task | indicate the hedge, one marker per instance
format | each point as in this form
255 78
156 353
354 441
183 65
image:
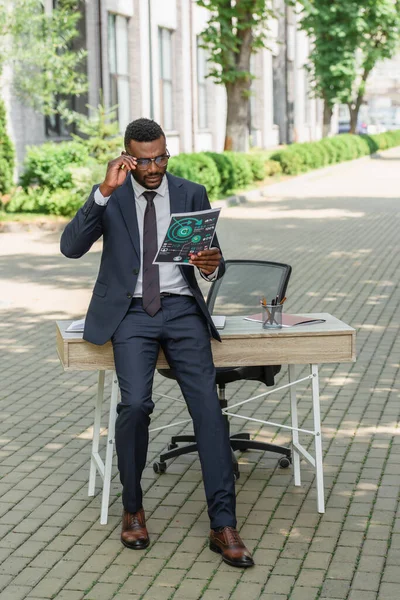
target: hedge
300 158
58 177
199 168
7 154
48 165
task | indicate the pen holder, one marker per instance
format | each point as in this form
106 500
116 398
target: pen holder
272 316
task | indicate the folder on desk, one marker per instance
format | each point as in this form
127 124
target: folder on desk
288 320
219 321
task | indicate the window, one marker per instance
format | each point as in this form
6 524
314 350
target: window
54 125
165 45
202 69
118 66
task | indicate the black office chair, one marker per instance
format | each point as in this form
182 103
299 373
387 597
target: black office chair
238 293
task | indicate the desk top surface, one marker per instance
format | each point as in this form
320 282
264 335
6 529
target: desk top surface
238 327
246 343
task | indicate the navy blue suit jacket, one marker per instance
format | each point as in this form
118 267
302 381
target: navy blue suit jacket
120 260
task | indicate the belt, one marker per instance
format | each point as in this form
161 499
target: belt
166 294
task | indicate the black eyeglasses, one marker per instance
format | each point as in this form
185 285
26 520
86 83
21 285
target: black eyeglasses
161 161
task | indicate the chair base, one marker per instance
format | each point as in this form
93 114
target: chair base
239 441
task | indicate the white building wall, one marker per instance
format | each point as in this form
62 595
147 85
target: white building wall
187 20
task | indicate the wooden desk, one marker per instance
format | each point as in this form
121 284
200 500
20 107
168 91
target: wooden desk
245 343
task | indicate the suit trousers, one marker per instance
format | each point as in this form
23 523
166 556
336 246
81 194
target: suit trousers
182 331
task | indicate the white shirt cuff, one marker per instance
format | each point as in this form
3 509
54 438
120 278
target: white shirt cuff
211 277
100 199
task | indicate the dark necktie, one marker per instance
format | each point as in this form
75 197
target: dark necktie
151 277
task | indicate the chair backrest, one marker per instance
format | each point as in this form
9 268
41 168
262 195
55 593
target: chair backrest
243 285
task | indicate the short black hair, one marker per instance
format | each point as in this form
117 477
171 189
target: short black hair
143 130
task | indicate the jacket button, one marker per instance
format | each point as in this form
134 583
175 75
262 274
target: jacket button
128 295
136 271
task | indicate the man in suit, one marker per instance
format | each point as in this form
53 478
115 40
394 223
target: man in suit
140 306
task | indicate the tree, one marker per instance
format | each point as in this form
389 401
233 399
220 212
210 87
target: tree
47 69
99 133
235 30
349 38
6 154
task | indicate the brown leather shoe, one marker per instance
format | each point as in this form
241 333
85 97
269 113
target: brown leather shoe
228 543
134 534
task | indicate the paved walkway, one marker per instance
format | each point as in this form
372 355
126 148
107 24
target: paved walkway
339 228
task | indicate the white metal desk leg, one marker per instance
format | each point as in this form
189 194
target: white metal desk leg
319 473
295 425
109 451
96 433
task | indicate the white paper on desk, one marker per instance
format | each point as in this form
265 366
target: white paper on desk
76 326
219 321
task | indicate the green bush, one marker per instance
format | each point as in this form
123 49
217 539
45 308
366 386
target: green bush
199 168
48 165
241 169
370 143
40 200
272 167
257 165
225 170
291 162
7 155
299 158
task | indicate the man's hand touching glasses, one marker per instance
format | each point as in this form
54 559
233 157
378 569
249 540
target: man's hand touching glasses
117 171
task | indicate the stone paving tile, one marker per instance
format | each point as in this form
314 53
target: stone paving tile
51 542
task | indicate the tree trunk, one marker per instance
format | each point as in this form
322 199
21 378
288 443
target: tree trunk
237 119
238 98
353 109
326 128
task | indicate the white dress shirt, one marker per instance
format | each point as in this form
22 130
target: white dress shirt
171 278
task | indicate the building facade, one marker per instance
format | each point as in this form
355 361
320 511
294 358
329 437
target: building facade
146 56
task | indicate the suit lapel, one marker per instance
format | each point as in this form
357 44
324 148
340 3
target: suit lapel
126 199
177 195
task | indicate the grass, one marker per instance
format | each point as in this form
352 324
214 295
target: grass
31 217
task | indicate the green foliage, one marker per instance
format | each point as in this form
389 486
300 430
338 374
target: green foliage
241 169
99 133
272 167
48 165
225 35
235 31
225 170
7 155
44 201
257 165
199 168
65 173
46 66
389 139
349 38
300 158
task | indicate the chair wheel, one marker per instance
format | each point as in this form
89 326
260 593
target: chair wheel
159 467
172 446
284 462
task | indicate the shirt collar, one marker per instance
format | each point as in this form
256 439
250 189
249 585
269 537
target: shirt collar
139 189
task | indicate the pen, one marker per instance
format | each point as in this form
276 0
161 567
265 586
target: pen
274 303
263 303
